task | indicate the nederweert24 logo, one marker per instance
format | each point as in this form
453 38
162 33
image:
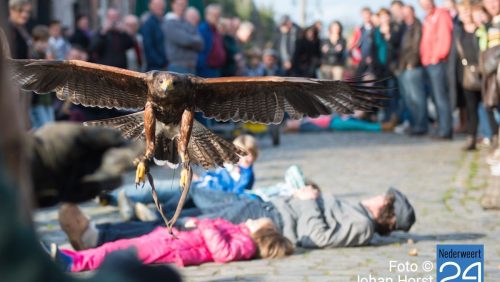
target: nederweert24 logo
456 263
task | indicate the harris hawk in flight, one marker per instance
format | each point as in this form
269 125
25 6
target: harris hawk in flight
167 102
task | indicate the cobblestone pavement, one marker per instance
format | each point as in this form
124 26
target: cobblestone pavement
444 184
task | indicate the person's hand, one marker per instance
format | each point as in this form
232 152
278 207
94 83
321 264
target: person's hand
287 65
107 25
338 47
307 193
74 163
325 48
385 30
111 25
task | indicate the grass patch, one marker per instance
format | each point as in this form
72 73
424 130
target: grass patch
448 195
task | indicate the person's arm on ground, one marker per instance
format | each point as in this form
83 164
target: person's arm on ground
225 241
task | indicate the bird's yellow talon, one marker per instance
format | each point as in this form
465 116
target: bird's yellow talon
183 180
140 173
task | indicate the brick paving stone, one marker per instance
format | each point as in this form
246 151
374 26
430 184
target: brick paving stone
444 184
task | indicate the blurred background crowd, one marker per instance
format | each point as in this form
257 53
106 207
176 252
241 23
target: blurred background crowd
441 70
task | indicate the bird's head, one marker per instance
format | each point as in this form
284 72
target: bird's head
167 84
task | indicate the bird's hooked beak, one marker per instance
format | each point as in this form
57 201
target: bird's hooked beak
167 85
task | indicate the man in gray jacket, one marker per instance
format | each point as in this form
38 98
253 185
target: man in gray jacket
308 219
183 41
314 221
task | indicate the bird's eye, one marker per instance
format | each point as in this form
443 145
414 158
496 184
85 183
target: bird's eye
161 81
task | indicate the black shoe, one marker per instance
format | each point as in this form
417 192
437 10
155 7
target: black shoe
441 137
417 133
470 144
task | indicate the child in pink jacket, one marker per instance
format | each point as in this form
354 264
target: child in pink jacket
213 240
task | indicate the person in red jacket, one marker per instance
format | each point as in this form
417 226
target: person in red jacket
211 240
435 46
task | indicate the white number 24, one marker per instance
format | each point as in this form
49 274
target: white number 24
465 275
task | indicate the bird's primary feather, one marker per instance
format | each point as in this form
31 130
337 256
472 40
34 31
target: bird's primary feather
266 99
83 83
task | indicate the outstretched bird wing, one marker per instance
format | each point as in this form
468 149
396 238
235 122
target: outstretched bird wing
83 83
266 99
205 148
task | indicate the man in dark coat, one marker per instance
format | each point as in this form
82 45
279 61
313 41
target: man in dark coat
109 46
153 37
81 36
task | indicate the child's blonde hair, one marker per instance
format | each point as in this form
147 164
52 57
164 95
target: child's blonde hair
271 244
248 143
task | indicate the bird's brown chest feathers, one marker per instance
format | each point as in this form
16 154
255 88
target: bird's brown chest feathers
168 113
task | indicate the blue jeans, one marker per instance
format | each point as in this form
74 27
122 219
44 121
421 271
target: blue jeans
392 106
41 115
438 82
167 195
411 85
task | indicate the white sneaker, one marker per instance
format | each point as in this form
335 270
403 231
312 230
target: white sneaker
494 158
143 213
495 169
125 206
402 128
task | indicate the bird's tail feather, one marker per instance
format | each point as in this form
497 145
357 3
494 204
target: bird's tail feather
208 149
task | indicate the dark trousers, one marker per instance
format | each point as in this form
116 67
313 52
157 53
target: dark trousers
438 82
472 100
